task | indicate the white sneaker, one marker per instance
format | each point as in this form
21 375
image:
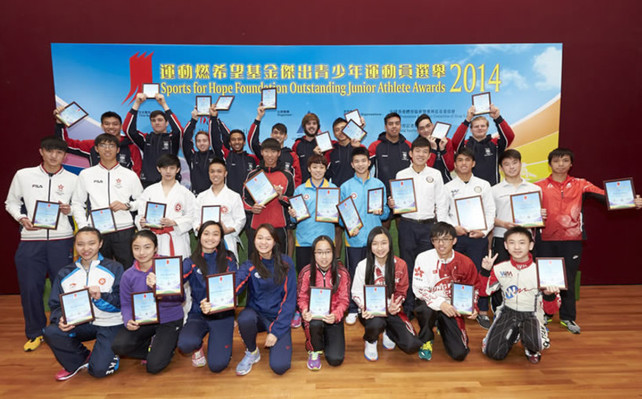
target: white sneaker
387 342
370 352
351 318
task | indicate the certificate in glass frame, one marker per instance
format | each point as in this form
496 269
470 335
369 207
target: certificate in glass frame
76 307
403 193
145 308
203 104
103 220
440 130
375 200
151 89
620 194
470 213
463 298
551 272
260 188
326 205
526 209
320 299
268 97
169 276
221 292
350 216
353 131
154 212
46 215
353 115
375 300
324 141
210 212
481 102
224 103
298 204
71 114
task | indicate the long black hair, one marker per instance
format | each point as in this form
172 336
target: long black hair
334 266
280 268
221 252
390 260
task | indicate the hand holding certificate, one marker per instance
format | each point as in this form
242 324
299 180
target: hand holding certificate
354 131
375 200
350 216
481 102
300 208
220 292
203 104
440 130
71 114
320 302
145 308
76 307
374 298
527 209
169 276
46 215
103 220
470 213
551 272
151 89
326 205
268 98
261 189
403 194
620 194
463 298
324 141
354 116
154 212
224 103
210 212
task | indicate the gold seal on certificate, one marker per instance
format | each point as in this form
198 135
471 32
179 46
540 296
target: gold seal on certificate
46 215
71 114
103 220
210 213
151 89
224 103
268 98
551 272
403 193
324 142
354 116
154 212
481 102
169 276
203 104
470 213
300 208
326 205
320 302
375 200
350 216
76 307
353 131
145 308
463 298
527 209
620 194
260 188
375 299
440 130
221 292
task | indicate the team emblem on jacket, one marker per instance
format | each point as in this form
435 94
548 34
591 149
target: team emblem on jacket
178 207
404 156
60 189
119 183
354 196
488 153
306 197
121 158
287 165
225 209
430 179
102 281
478 189
257 275
165 145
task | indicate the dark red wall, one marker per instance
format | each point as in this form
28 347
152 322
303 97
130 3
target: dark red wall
601 80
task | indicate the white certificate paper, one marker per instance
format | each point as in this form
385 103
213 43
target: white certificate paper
210 212
403 193
220 292
203 104
551 272
151 89
353 116
326 206
320 301
300 208
481 102
440 130
350 216
76 307
169 275
527 209
224 103
462 298
145 308
354 131
324 141
154 212
470 213
375 300
71 114
268 98
375 200
46 214
260 188
620 194
103 220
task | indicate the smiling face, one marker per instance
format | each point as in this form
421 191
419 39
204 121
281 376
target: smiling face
393 127
210 238
217 174
424 129
87 245
202 141
317 171
380 247
159 124
111 125
479 128
337 130
518 246
464 165
52 159
444 245
311 128
360 164
107 151
264 243
237 141
512 167
270 157
144 250
419 156
279 136
323 255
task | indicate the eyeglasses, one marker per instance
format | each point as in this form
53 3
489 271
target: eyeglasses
442 240
323 253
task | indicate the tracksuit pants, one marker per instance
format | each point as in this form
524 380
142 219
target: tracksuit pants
250 324
219 343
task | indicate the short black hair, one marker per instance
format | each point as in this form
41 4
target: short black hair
359 151
219 161
237 131
88 229
518 230
106 138
420 142
271 144
440 229
509 154
110 114
154 114
168 160
560 152
421 118
337 121
391 115
53 143
280 127
465 151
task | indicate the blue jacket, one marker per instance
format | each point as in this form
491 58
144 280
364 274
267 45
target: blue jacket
275 302
309 229
358 189
193 275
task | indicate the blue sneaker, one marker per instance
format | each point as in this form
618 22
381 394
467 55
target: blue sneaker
425 352
245 365
113 365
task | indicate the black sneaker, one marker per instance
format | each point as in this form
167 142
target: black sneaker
534 358
484 321
113 365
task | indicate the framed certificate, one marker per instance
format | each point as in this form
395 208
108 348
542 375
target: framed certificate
440 130
320 302
551 272
481 102
374 300
221 292
463 296
224 103
353 131
324 141
169 276
353 116
154 212
526 209
46 215
210 212
71 114
203 104
620 194
470 213
268 98
375 200
145 308
298 204
350 216
261 189
151 89
403 193
326 205
103 220
76 307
